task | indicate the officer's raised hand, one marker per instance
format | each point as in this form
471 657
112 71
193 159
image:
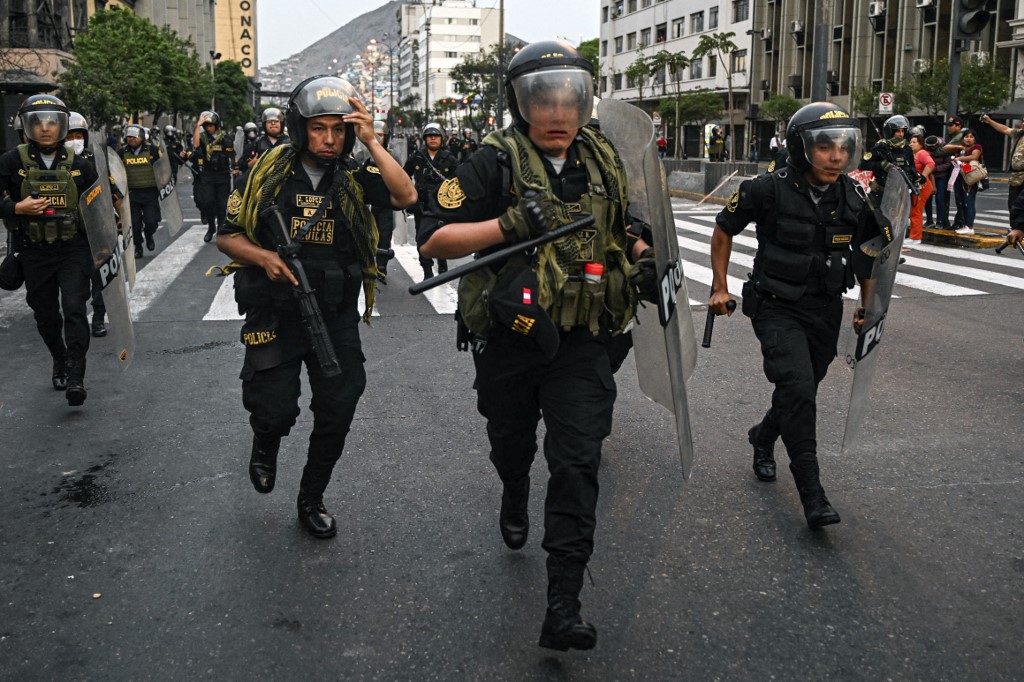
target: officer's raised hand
363 122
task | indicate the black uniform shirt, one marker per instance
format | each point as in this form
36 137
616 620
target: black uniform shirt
83 172
754 202
480 195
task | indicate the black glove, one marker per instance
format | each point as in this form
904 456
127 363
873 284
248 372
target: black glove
530 217
644 276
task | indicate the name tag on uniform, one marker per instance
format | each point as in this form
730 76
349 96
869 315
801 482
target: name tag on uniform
311 201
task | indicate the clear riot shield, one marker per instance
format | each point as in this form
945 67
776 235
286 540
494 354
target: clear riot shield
399 149
96 208
663 338
862 350
115 168
170 207
239 144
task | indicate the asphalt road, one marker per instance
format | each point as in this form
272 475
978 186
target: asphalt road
132 545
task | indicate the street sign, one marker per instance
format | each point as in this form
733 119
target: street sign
656 118
885 100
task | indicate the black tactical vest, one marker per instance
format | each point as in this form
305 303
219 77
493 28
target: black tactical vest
804 249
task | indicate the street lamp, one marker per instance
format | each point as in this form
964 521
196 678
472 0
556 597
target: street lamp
214 56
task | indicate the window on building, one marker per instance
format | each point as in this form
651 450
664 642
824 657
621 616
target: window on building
712 67
604 84
604 15
474 22
645 37
618 44
713 17
631 6
678 28
739 61
696 22
661 33
740 10
451 55
631 41
604 48
617 81
696 68
645 4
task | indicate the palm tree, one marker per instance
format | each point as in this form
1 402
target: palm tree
723 45
674 62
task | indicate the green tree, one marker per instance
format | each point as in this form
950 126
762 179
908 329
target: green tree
721 43
780 108
638 72
231 89
930 90
983 87
698 106
124 65
673 64
590 51
479 76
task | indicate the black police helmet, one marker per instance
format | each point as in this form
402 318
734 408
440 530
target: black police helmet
545 55
77 123
321 95
894 123
813 116
44 108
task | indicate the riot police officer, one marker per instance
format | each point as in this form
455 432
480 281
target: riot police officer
40 186
463 147
215 153
322 198
539 337
892 150
273 135
808 216
174 147
138 158
429 167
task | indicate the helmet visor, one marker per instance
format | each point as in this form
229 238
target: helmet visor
326 97
832 150
45 128
555 97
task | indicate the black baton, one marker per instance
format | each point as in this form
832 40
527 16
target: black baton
1019 245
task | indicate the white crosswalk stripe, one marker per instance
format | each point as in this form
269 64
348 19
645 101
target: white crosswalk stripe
180 267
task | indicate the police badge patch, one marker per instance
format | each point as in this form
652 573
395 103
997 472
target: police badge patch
234 204
450 194
734 201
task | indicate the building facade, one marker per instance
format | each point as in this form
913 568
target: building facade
872 44
435 37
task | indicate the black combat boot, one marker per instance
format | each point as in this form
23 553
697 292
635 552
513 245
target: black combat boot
563 627
75 392
817 510
99 329
428 272
764 449
150 244
514 519
263 463
442 266
209 232
314 517
60 368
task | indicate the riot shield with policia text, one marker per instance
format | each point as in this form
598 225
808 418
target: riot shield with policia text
663 336
170 207
96 209
861 350
119 174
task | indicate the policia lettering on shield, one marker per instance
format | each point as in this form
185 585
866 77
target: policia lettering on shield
322 198
539 327
811 219
40 186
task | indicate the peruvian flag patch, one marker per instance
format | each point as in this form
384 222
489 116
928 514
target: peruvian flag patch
527 297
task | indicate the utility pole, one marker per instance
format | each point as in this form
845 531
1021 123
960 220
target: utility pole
820 52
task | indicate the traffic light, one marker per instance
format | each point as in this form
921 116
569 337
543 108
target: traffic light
490 120
971 20
465 101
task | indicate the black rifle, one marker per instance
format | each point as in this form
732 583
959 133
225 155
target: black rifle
312 318
498 256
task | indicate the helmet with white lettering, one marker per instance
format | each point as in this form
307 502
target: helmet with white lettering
320 96
40 113
820 125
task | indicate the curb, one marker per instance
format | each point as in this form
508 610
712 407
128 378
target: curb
951 238
680 194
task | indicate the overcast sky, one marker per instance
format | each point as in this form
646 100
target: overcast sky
289 26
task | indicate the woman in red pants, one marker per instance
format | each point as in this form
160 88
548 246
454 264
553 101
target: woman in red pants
925 166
